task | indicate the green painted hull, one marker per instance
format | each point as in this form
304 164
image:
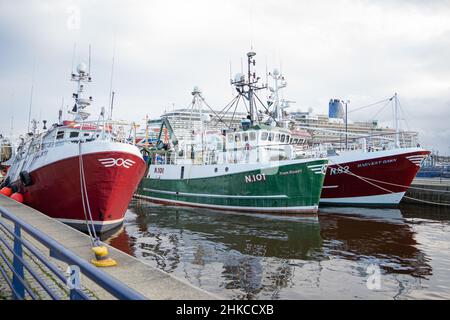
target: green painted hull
290 188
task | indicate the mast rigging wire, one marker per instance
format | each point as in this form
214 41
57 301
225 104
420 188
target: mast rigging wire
370 105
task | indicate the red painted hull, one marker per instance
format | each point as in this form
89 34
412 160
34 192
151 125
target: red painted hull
376 180
56 189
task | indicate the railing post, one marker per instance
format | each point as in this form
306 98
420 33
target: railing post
18 266
74 282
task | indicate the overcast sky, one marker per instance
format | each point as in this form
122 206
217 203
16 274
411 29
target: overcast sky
363 51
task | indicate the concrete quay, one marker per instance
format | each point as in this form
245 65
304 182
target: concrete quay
429 191
145 279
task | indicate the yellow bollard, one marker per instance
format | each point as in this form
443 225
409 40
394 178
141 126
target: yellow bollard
101 257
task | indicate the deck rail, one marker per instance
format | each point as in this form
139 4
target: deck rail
18 264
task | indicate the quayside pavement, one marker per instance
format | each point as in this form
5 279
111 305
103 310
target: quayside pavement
151 282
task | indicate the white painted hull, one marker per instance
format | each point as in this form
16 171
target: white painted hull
383 199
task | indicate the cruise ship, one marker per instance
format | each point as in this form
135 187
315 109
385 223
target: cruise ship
314 129
251 168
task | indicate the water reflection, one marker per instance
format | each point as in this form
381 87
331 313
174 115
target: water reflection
275 257
376 235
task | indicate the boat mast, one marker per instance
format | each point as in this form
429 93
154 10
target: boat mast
247 87
280 83
197 105
250 60
80 77
146 131
396 126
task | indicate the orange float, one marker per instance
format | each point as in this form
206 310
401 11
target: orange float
17 196
6 191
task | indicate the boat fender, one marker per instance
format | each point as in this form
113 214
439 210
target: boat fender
17 197
6 191
101 257
25 177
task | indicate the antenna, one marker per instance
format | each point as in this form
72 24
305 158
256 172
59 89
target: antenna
231 79
29 109
31 97
89 64
60 112
73 56
112 104
12 126
111 93
251 23
267 76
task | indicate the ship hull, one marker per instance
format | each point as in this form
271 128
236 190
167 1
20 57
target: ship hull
378 178
110 184
282 187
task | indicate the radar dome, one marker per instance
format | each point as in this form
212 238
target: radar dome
276 72
81 68
239 77
196 90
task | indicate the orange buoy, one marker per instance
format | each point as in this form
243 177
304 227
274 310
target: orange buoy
6 191
17 196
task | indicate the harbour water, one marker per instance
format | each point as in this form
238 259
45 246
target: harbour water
345 253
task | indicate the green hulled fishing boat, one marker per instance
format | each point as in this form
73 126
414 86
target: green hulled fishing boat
249 169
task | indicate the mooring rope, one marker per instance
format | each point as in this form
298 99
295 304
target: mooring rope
85 200
409 187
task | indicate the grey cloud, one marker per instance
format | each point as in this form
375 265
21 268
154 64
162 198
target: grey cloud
362 50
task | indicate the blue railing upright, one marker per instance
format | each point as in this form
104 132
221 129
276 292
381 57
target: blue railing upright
19 285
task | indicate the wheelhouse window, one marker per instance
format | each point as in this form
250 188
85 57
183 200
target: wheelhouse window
60 135
264 135
277 137
282 138
245 137
252 136
230 138
237 137
270 136
73 134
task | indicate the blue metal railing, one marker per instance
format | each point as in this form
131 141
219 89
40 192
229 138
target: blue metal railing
18 284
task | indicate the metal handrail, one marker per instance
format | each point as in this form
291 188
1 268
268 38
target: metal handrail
104 280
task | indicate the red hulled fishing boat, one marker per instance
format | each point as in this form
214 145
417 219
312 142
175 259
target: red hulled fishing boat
77 171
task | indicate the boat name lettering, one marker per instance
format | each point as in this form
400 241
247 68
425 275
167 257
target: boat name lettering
119 162
339 170
284 173
159 170
376 163
255 177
